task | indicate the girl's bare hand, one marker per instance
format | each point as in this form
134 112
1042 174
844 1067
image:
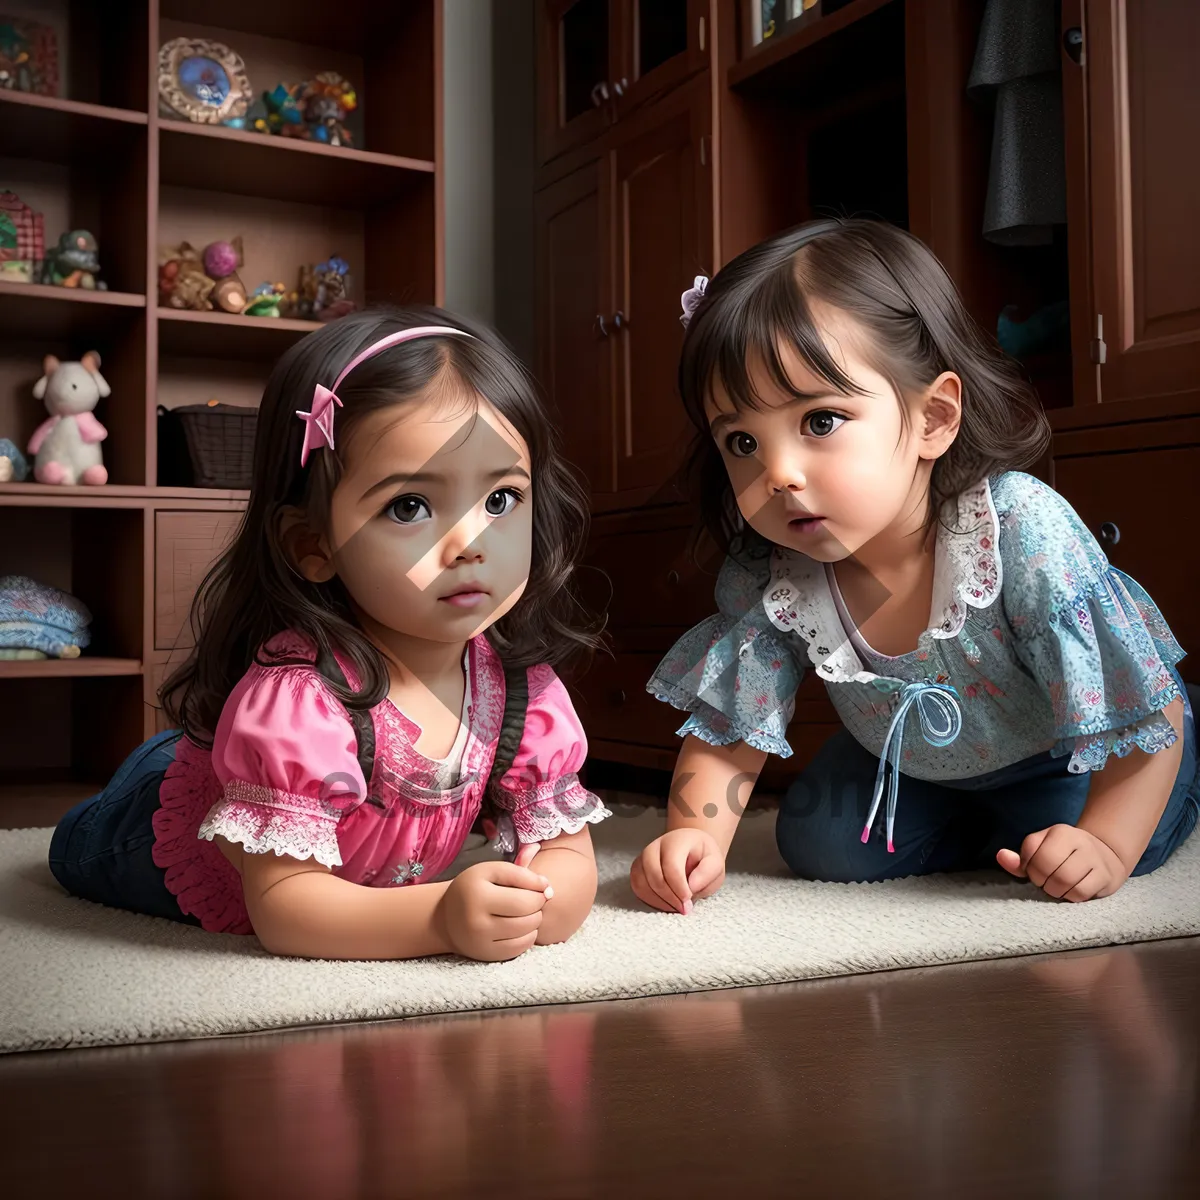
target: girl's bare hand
1066 862
492 911
678 868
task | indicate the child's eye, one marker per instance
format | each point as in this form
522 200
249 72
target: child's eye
406 510
498 503
822 424
741 445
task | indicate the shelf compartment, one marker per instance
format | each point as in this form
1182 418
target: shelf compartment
64 131
185 333
279 168
95 555
810 64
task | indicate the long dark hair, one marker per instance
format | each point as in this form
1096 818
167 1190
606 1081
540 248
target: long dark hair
253 592
892 284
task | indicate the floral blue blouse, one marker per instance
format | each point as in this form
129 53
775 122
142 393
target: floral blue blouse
1045 645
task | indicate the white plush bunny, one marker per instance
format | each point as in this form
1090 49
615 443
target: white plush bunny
67 444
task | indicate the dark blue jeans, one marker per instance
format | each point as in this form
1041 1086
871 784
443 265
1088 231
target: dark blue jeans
938 828
102 849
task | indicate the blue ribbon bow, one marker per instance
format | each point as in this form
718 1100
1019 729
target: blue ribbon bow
941 722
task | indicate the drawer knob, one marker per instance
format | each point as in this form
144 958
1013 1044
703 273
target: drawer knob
672 578
1110 535
617 696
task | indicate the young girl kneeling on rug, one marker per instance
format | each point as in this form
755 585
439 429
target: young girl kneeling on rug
1007 696
343 715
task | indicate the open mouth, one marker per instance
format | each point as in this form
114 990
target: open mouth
809 524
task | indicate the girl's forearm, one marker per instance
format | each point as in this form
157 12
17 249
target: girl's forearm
1127 798
313 914
572 875
710 787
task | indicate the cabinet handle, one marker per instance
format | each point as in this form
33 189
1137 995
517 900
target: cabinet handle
617 697
601 328
620 321
1073 44
1110 535
620 86
672 578
599 94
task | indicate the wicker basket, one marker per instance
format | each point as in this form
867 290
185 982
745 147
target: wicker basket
207 445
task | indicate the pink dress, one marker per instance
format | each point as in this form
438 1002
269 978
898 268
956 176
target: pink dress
283 776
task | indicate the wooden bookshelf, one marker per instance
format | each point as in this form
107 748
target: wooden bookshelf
101 157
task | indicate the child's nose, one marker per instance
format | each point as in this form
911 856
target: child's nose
784 473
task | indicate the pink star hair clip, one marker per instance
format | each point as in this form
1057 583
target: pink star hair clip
318 421
691 298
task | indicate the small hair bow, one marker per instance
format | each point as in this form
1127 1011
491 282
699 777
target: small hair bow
318 421
691 299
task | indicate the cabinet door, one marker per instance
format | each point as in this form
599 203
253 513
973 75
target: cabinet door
1127 500
662 205
574 257
579 58
186 544
1144 119
662 43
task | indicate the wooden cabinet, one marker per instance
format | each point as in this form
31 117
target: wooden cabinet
1140 96
599 60
186 545
619 239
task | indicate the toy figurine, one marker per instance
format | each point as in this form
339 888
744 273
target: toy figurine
221 261
333 285
265 301
22 239
182 282
284 112
326 102
74 262
67 445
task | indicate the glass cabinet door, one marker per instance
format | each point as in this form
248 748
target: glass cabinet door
664 41
578 49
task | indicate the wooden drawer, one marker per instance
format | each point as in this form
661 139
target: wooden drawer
613 704
1139 505
186 544
653 581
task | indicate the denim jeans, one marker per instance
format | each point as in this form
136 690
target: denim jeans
952 825
102 849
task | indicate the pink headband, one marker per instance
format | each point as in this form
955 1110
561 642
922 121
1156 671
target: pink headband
318 422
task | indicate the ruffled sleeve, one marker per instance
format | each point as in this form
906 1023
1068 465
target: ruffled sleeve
541 790
734 672
285 756
1087 632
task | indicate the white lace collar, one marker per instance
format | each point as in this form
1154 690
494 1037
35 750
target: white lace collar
966 574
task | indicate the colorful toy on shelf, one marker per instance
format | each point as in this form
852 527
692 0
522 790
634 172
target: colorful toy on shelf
221 261
266 300
202 81
74 262
66 445
255 120
284 112
13 465
333 286
22 239
182 282
327 100
28 57
39 621
300 304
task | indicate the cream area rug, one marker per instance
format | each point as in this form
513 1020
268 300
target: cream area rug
74 973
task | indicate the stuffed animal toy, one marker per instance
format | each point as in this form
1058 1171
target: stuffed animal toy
74 262
13 467
221 261
182 282
67 445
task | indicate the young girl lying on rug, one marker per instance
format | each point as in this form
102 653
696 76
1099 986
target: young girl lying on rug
343 714
857 460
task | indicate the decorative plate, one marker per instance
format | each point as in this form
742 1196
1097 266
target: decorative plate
202 81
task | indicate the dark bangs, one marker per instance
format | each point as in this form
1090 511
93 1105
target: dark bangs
916 327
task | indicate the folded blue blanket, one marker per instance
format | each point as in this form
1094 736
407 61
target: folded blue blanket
34 616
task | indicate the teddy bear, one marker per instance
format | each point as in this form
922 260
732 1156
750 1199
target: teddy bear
66 446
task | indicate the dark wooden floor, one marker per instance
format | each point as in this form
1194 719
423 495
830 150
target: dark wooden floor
1061 1076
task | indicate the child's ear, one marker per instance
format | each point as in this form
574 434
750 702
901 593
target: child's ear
305 549
939 415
